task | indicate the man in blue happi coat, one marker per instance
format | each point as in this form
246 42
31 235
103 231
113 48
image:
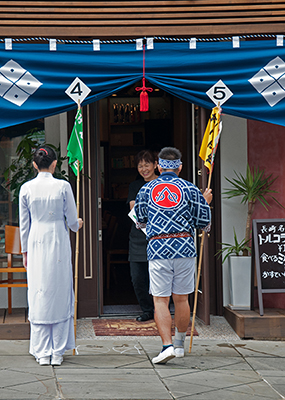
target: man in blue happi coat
171 208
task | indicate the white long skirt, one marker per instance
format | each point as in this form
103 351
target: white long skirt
51 339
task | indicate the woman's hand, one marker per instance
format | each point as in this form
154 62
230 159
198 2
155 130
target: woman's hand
25 260
80 222
208 195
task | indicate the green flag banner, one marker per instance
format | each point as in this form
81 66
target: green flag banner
75 144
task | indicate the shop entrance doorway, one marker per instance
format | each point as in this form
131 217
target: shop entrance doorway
125 131
105 286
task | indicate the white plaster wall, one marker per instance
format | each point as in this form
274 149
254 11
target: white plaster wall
52 129
233 148
56 133
63 138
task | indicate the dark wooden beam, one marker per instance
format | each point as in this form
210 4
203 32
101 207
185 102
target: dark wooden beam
130 32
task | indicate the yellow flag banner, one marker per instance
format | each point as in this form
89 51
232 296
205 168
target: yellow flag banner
211 138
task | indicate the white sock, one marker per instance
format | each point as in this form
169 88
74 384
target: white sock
179 338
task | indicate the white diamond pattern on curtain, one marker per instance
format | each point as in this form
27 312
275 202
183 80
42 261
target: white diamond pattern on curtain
16 83
270 81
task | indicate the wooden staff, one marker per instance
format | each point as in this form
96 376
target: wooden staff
199 267
198 274
76 249
76 256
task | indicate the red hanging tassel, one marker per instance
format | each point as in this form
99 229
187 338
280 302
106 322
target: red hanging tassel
144 101
144 89
144 96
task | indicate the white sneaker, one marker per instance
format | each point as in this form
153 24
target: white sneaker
56 360
179 351
164 356
44 360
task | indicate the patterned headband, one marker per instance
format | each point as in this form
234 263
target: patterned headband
169 164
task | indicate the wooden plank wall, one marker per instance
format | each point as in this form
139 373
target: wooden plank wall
105 19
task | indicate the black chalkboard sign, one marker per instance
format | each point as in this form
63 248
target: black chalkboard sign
268 255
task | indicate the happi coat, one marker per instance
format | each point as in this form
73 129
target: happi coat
170 205
47 207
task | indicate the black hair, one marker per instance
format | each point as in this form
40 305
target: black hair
170 153
44 156
145 155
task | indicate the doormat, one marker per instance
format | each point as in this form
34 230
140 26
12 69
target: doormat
129 327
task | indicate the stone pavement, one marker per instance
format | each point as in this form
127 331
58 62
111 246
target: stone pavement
121 368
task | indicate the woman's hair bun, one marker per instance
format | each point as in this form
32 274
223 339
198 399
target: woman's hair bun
44 156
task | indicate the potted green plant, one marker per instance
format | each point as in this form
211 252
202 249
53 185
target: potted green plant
21 169
239 272
236 249
252 187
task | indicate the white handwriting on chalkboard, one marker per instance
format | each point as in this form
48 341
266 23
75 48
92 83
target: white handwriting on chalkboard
272 274
275 238
280 258
272 228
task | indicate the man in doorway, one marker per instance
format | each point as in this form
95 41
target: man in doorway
171 209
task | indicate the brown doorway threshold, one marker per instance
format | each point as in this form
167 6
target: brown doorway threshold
249 324
124 310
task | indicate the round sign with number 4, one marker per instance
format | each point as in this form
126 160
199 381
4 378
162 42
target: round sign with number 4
78 90
219 93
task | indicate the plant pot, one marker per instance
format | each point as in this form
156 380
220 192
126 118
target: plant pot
240 282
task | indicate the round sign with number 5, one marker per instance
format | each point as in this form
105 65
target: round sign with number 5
219 93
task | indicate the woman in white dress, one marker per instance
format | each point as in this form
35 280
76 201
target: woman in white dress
47 207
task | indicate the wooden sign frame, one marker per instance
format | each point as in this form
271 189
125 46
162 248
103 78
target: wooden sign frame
272 238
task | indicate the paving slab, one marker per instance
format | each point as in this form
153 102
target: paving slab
122 346
227 394
174 367
206 381
275 378
267 363
9 376
108 354
107 361
25 363
14 347
257 390
40 387
205 363
199 348
217 385
111 384
252 348
14 394
21 377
